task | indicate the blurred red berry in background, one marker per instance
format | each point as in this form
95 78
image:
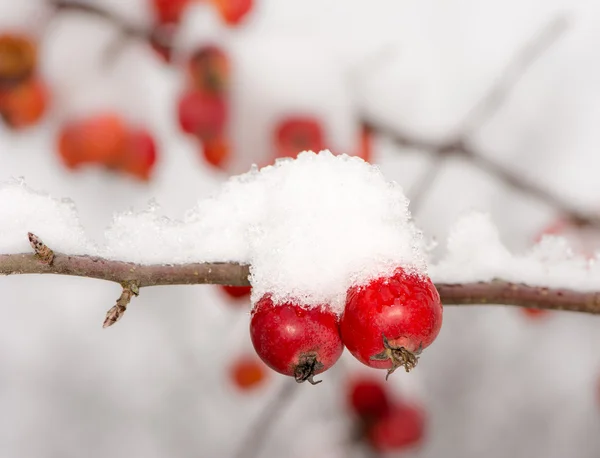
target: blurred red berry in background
216 151
233 11
368 398
24 105
139 155
202 114
18 59
248 372
237 292
402 427
98 139
297 134
535 314
169 11
208 70
108 141
365 149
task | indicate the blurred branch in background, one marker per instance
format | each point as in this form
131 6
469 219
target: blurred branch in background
251 445
459 145
133 276
156 36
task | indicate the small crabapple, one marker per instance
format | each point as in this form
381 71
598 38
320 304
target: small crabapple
208 70
24 105
98 139
202 114
237 292
139 156
18 59
233 11
247 372
387 322
298 134
169 11
294 340
368 398
365 150
216 151
402 427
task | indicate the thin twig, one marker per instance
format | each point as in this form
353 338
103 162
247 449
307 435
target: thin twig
44 254
257 435
117 311
126 29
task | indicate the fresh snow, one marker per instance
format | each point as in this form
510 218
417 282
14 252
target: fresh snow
475 253
309 227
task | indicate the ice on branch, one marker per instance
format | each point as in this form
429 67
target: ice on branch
475 253
309 228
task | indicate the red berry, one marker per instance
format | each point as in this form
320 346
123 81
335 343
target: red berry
169 11
295 135
139 156
209 70
368 398
216 151
535 314
233 11
247 372
202 114
387 322
100 139
24 105
365 150
402 427
18 59
294 340
237 292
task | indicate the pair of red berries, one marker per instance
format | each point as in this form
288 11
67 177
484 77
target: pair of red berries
171 11
203 108
107 140
385 324
23 96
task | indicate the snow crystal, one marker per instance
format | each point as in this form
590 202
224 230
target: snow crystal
309 228
475 253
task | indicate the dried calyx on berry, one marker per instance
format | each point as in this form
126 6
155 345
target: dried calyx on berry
399 356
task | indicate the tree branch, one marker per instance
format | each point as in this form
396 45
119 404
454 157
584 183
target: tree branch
460 146
497 292
157 35
123 272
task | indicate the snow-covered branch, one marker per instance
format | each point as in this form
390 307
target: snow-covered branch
497 292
